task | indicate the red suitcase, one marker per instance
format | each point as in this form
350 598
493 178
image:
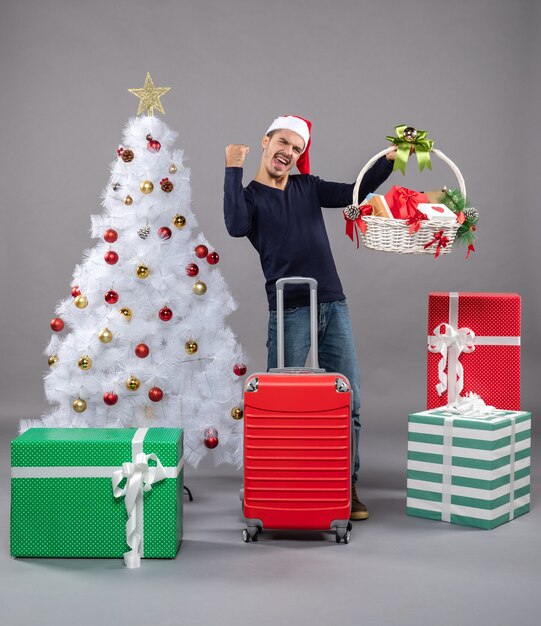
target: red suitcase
297 442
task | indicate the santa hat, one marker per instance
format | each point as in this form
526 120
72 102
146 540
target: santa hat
303 128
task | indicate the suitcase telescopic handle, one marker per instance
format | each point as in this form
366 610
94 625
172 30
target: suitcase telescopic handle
280 284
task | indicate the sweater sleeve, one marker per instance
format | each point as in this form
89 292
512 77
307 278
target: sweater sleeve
337 195
238 213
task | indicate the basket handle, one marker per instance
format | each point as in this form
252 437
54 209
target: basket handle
437 152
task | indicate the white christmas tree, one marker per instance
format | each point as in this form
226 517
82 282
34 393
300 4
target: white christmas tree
142 340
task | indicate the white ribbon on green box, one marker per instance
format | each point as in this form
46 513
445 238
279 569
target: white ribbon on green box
451 342
139 475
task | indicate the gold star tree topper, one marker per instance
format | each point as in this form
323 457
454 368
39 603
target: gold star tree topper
149 97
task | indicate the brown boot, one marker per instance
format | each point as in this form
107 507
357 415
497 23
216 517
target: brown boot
358 510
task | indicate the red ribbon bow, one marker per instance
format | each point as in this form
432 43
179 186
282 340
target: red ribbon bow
414 222
357 224
440 240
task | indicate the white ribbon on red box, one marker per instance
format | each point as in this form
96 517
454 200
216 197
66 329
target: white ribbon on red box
450 341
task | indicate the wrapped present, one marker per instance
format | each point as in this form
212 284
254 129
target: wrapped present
97 492
434 196
379 205
436 211
474 345
469 470
403 202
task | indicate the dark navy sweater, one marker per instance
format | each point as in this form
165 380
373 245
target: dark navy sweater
286 227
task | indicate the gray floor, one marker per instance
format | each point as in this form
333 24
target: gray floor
396 570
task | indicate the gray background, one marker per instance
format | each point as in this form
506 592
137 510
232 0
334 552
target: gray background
469 72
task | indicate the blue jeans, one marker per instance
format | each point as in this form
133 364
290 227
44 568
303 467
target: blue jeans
336 350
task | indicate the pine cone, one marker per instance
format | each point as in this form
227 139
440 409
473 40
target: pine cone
471 214
144 232
166 185
127 155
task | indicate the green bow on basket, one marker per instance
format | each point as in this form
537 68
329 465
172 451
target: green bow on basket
407 138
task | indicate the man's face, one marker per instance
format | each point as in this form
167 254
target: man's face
281 152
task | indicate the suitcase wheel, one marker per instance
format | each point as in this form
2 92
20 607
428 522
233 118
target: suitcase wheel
250 533
343 534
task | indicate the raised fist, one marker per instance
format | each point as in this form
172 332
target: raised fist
235 154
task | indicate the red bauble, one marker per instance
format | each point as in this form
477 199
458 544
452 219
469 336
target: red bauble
165 314
155 394
164 232
75 291
110 235
201 251
192 269
142 350
57 324
239 369
211 442
111 257
111 296
154 145
110 398
213 258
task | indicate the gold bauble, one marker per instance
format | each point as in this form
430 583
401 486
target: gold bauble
143 271
79 405
85 362
53 360
146 186
128 200
126 313
236 413
199 288
179 221
172 168
81 302
133 383
190 346
105 335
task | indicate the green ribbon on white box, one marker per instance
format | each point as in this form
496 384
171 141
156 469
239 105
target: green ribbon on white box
139 475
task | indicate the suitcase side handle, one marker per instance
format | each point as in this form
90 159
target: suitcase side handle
280 284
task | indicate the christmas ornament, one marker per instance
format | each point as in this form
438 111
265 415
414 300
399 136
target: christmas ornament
105 335
179 221
144 231
192 269
79 405
201 251
57 324
81 301
52 360
155 394
142 350
410 134
149 97
166 185
236 413
142 271
471 214
165 314
213 258
210 437
190 346
239 369
352 212
146 187
111 296
149 137
85 362
116 186
128 200
172 168
133 383
164 232
75 291
407 138
119 150
199 288
110 235
110 398
111 257
154 146
127 155
126 313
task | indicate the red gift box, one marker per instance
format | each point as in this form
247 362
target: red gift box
403 202
474 345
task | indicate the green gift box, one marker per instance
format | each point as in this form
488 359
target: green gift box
97 492
469 470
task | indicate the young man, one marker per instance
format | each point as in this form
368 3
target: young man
281 215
